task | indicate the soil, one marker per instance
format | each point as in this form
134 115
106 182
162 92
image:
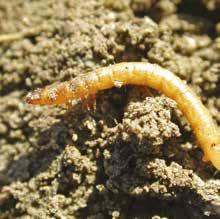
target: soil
135 156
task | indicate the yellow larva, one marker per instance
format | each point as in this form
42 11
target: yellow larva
140 73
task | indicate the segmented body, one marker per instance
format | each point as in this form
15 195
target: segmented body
140 73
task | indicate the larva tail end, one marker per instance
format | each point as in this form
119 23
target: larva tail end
215 156
34 97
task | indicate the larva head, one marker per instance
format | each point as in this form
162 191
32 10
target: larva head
34 97
51 95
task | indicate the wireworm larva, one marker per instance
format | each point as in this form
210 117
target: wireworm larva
139 73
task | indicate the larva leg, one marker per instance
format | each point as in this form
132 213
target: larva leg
69 105
85 103
89 102
93 101
148 92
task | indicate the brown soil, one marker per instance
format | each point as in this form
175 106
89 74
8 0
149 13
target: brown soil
133 157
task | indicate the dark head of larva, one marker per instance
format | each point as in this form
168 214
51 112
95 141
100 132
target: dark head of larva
34 97
51 95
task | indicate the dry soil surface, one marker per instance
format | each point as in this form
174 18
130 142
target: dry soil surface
135 156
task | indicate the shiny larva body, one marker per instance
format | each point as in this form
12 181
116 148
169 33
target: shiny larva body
140 73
